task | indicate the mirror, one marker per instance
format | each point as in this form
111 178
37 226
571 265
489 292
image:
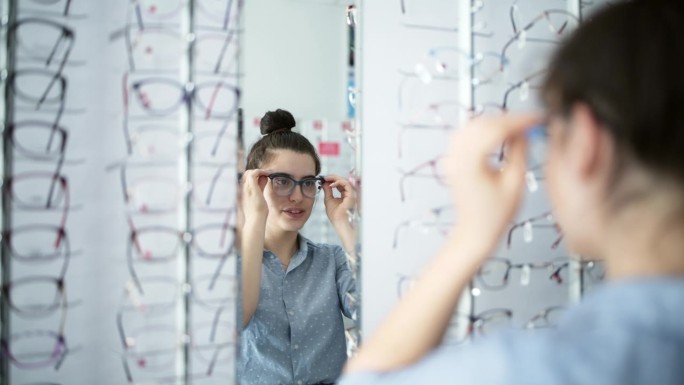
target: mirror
299 299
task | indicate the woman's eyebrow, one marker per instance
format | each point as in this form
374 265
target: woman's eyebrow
292 176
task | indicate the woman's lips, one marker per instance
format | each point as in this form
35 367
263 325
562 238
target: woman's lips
294 213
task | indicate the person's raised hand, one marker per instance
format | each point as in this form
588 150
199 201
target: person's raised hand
338 208
487 196
255 184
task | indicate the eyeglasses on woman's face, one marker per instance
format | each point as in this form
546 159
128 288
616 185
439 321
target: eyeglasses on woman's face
284 185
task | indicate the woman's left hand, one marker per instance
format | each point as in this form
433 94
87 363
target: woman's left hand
338 208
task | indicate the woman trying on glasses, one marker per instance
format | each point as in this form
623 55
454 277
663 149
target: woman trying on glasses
294 290
614 98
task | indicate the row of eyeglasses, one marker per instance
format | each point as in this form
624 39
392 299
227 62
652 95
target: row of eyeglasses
36 249
176 320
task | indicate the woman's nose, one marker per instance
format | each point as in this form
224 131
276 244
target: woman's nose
297 194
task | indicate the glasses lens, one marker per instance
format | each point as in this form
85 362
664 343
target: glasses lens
147 342
214 241
310 187
493 274
283 185
158 96
42 87
218 100
38 191
493 320
154 293
37 243
156 244
159 9
39 139
35 348
155 48
35 296
42 41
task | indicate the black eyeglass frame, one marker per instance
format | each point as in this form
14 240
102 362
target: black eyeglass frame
320 179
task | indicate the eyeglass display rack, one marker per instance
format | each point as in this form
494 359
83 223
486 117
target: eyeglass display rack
120 139
455 60
39 50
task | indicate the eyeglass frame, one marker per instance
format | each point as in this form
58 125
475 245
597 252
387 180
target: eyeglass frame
320 179
8 195
60 349
544 15
183 340
128 39
531 220
554 267
415 172
183 240
128 198
226 19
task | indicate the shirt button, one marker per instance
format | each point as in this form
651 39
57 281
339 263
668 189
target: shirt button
296 347
299 382
290 312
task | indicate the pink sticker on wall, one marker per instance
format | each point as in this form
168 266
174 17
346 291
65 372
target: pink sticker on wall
329 148
317 124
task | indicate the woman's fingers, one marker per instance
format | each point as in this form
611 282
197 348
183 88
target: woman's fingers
255 178
487 196
255 185
497 129
340 184
473 145
516 163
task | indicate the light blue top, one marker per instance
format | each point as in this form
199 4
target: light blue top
296 335
629 332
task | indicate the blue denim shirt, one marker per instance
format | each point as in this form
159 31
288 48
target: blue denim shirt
629 332
296 335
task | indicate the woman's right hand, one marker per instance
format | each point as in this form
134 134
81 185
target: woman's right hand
486 199
255 184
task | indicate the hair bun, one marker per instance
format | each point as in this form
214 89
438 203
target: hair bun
275 121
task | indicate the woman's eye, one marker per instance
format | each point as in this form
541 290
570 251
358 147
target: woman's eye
309 183
281 181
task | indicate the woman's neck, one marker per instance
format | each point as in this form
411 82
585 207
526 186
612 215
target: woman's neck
282 243
647 241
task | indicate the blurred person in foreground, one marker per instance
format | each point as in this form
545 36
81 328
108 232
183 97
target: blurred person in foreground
614 113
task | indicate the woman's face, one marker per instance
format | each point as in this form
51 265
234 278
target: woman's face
290 213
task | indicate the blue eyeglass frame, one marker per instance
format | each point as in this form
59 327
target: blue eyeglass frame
299 183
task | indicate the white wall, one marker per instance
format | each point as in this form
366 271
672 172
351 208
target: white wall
294 57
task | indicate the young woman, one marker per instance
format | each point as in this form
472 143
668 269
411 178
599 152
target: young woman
615 176
293 290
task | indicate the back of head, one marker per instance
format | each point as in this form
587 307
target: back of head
276 121
626 63
276 128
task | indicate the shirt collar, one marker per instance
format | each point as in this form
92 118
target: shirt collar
301 254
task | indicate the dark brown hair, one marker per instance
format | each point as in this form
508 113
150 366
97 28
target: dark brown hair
276 126
627 64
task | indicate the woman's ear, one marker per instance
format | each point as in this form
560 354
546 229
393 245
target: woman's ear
587 142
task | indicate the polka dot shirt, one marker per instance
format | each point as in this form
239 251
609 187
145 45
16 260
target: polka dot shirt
296 335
